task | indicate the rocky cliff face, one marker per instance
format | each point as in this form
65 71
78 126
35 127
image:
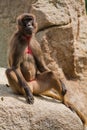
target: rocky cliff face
59 22
62 34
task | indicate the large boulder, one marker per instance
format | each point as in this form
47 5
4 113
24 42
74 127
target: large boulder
59 22
44 114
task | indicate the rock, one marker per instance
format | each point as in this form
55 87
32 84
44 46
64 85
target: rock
56 18
60 49
52 13
81 50
44 114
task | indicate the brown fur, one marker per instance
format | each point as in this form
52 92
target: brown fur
28 74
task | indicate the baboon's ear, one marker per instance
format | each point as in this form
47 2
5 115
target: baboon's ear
19 20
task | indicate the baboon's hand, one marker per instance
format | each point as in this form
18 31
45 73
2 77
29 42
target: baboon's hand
29 95
30 99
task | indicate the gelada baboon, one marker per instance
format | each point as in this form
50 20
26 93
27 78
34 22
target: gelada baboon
27 73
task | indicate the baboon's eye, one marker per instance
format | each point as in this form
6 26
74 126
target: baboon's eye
27 20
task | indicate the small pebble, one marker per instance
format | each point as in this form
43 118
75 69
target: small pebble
2 98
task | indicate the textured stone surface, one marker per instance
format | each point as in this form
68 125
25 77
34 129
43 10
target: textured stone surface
81 50
51 12
44 114
60 50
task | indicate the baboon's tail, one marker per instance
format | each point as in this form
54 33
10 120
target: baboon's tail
81 116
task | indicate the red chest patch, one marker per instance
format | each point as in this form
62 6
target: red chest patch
28 51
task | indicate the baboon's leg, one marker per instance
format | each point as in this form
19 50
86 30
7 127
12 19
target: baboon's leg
51 94
44 82
58 85
15 83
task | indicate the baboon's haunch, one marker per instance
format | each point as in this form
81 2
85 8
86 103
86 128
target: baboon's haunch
27 73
